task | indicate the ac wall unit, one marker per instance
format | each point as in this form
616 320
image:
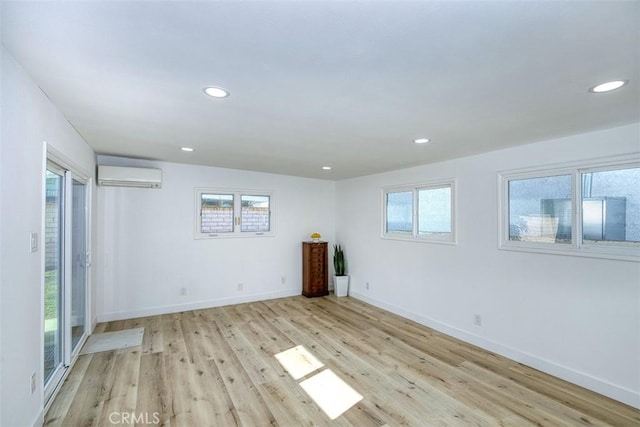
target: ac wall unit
120 176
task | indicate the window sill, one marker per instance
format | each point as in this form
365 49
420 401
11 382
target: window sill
587 251
418 240
233 236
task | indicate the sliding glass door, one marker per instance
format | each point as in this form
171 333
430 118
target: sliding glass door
54 273
65 282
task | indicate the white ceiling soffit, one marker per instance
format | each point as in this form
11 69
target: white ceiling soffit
345 84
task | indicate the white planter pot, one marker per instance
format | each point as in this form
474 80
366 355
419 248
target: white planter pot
341 285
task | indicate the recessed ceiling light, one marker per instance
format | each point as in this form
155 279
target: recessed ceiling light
608 86
421 140
216 92
188 149
327 168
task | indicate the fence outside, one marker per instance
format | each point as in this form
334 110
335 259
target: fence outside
220 219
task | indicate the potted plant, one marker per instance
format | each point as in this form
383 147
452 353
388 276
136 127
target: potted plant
340 280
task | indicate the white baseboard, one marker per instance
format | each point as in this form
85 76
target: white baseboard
624 395
166 309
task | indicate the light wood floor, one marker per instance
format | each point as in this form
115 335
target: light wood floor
216 367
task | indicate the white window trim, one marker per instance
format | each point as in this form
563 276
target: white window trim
605 250
415 236
237 233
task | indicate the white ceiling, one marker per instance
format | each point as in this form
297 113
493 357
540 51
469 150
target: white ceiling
344 83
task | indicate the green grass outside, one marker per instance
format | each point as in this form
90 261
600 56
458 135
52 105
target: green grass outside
50 294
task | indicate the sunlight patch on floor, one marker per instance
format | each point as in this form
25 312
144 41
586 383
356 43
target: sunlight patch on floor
298 362
327 390
331 393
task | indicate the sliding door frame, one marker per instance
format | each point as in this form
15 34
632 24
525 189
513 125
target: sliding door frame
58 371
69 355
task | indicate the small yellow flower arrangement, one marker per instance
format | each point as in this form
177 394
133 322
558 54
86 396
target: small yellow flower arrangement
316 237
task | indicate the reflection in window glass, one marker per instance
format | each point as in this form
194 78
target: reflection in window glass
216 213
434 211
399 212
255 213
53 274
611 206
540 209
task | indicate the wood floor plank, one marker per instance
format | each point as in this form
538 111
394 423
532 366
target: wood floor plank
60 407
154 395
251 407
198 394
586 401
152 339
87 406
508 390
123 392
217 367
259 368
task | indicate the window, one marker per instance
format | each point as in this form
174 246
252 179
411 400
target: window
216 213
540 209
585 210
434 211
422 212
255 215
611 206
233 213
399 212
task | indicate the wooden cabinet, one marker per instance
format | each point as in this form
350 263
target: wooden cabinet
315 272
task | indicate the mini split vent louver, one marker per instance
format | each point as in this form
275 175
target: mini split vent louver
119 176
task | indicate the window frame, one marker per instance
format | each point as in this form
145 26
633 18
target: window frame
625 251
414 236
237 213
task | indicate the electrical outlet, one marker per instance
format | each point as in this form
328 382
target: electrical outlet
240 286
366 286
33 383
183 291
477 320
283 280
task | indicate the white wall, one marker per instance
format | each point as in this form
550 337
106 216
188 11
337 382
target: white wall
577 318
28 119
149 253
1 126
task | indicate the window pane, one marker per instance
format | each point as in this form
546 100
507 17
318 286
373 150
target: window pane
400 212
611 206
540 209
255 213
216 213
434 211
53 274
